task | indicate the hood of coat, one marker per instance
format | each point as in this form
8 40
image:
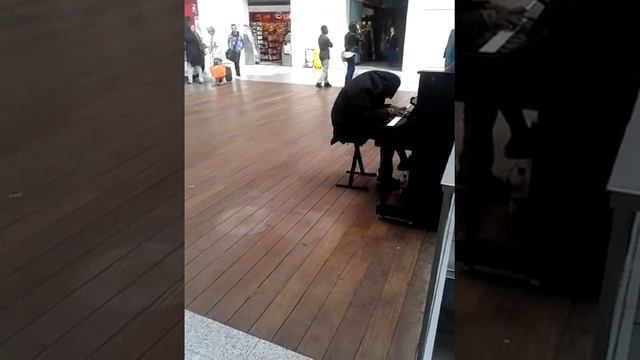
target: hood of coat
383 83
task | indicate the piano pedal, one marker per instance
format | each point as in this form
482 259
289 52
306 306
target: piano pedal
394 213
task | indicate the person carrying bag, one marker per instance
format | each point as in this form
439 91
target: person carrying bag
236 44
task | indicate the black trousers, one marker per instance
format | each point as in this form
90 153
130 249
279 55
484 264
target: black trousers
237 64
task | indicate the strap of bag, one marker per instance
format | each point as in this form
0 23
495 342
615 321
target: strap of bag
236 44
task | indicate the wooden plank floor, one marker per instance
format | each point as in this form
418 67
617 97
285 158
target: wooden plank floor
505 320
496 318
91 186
273 248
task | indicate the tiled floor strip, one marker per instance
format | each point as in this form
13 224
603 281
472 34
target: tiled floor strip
206 339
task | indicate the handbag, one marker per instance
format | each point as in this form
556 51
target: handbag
346 55
229 54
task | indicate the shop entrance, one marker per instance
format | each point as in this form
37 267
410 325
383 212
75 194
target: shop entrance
376 18
270 27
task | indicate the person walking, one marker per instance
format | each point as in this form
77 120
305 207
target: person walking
325 54
352 42
236 44
194 50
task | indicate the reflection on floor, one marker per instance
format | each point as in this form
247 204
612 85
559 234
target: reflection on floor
206 339
499 318
444 347
274 249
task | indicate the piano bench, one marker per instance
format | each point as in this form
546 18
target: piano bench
357 160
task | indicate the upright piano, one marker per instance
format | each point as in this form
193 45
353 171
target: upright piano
428 131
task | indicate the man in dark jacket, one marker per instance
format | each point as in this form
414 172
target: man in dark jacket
324 44
352 42
360 113
236 44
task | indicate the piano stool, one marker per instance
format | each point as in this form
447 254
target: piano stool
357 160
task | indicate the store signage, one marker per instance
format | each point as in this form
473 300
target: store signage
269 16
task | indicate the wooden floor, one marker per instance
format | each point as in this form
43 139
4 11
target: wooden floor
499 319
91 204
273 248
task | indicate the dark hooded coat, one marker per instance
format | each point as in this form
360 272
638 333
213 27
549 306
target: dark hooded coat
360 106
193 49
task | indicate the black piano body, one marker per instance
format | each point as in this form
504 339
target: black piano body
429 133
584 94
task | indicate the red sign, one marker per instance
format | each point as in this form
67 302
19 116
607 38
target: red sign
191 10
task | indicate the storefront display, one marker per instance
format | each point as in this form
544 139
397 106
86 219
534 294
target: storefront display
269 31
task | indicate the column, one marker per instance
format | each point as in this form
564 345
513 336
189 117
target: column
429 23
306 19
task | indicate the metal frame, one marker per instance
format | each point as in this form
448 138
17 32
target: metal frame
439 270
357 160
440 267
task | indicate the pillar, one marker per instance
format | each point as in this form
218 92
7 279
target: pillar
429 23
306 19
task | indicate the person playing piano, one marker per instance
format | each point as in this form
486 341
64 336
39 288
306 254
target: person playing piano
359 113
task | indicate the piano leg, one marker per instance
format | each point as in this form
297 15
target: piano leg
476 159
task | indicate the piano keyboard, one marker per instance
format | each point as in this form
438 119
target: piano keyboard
534 9
497 41
394 121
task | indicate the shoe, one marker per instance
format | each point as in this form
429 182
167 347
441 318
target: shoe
318 85
327 85
393 185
